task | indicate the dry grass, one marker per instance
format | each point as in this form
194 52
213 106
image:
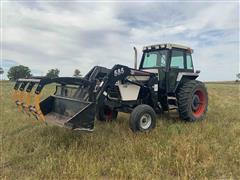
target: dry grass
175 149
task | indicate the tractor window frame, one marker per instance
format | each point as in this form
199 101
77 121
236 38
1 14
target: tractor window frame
184 59
154 67
191 61
150 61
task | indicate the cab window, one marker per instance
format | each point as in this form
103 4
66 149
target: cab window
150 60
177 59
155 59
189 61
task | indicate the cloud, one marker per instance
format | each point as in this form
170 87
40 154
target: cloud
7 63
45 35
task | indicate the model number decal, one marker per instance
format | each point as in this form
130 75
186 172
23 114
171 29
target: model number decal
118 72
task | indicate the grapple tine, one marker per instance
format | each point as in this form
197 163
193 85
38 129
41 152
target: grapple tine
38 111
27 102
27 105
15 90
33 112
20 100
33 109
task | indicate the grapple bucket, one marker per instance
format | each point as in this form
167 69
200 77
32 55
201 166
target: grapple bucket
72 113
72 104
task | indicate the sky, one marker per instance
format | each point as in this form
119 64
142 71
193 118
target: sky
79 35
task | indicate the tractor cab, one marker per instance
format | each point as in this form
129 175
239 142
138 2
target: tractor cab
170 62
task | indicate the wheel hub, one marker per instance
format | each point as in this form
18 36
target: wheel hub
195 102
145 121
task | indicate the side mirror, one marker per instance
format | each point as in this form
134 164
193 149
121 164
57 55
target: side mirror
198 71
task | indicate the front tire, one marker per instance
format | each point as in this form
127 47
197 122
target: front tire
142 118
192 100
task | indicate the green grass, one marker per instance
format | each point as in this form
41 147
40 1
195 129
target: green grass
174 149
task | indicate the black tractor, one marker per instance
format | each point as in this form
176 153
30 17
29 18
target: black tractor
165 80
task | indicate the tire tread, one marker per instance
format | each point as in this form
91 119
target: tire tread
184 95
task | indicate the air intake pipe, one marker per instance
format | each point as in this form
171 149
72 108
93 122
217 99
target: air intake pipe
135 57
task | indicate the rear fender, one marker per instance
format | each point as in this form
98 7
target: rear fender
183 77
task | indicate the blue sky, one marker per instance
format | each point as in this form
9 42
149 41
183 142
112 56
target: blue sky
44 35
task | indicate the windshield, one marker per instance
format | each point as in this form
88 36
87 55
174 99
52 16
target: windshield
154 59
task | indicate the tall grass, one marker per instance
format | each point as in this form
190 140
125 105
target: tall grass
174 149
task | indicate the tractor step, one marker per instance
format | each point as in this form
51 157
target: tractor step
172 107
171 98
172 103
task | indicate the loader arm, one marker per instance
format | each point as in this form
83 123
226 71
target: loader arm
120 73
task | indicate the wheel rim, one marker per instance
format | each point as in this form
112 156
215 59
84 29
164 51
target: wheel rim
198 103
145 121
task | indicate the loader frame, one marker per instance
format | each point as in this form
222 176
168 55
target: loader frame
98 81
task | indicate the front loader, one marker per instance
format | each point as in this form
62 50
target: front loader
165 80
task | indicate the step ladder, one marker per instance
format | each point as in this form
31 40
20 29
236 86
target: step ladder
172 104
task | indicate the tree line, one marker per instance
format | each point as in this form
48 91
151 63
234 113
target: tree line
21 71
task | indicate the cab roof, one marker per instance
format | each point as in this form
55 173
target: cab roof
167 46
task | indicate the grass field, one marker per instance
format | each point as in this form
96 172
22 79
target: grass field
174 149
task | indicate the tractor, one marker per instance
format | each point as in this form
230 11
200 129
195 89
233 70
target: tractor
165 80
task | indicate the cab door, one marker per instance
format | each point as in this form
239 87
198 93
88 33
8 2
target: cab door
176 64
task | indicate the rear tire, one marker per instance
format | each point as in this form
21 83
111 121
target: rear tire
192 101
142 118
106 114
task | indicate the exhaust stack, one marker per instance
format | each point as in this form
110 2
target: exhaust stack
135 57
